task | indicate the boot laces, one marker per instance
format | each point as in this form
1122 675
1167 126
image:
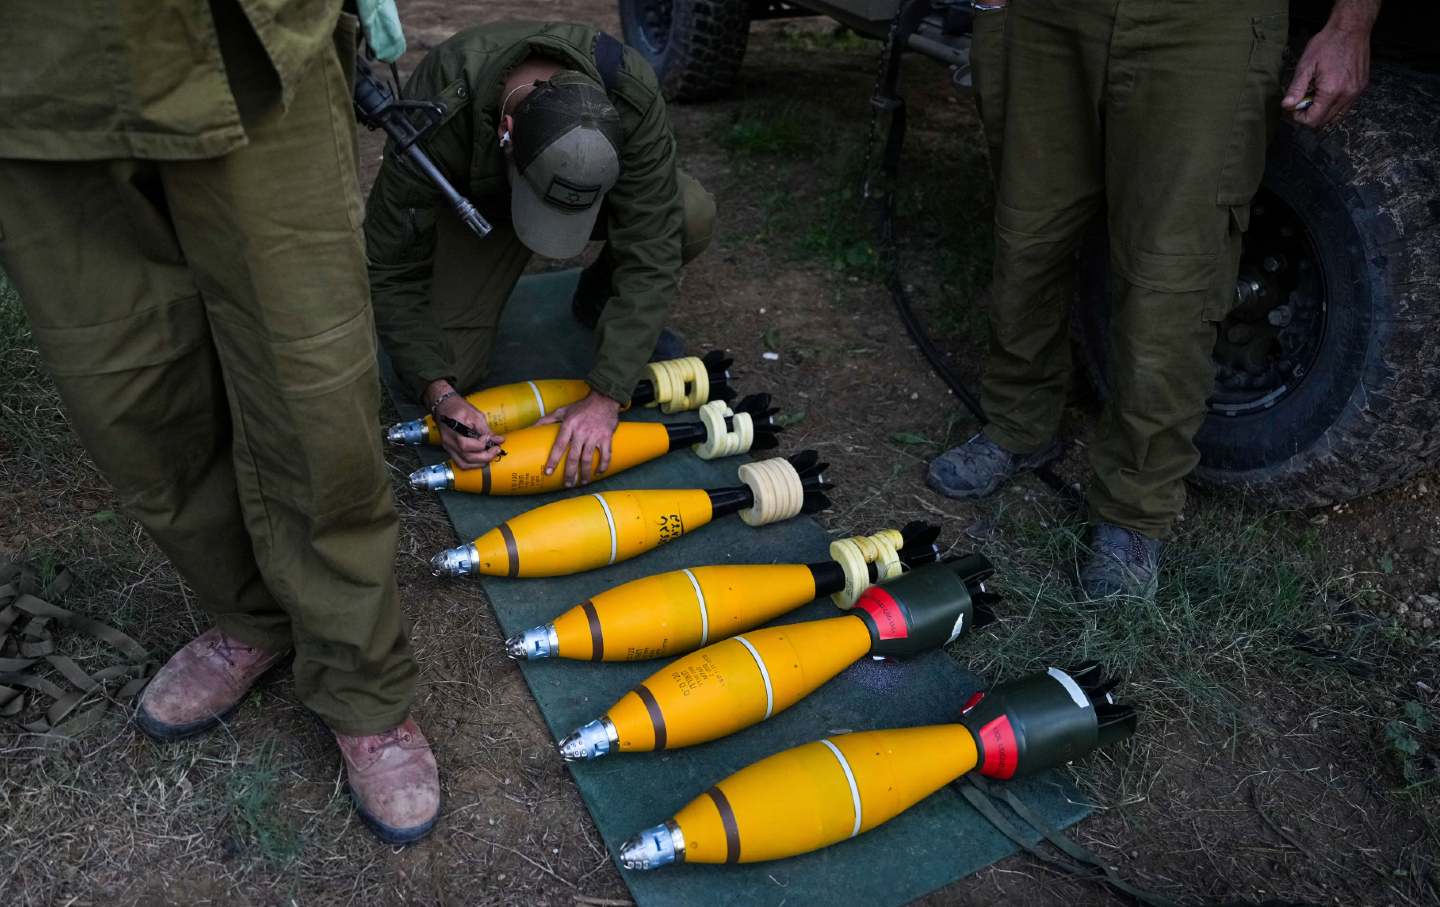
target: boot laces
1139 555
980 450
227 648
377 742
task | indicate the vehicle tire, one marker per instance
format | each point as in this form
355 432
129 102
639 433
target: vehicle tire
695 46
1355 402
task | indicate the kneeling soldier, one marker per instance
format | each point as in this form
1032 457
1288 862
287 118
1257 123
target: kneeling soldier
560 135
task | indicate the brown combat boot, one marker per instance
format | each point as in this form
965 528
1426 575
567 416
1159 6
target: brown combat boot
394 782
201 685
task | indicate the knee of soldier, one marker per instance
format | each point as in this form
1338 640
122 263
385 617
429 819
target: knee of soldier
1038 246
1177 288
699 227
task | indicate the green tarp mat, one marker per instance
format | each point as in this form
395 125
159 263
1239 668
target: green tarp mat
936 842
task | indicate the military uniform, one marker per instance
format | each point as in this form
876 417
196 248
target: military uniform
439 290
179 211
1155 113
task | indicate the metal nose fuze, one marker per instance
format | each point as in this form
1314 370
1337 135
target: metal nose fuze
437 477
654 847
407 434
457 561
590 741
535 643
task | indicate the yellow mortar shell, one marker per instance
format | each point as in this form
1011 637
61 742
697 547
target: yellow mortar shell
522 469
804 798
589 531
671 613
733 684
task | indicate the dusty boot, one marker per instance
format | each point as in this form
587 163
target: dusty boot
201 685
980 466
393 781
1122 562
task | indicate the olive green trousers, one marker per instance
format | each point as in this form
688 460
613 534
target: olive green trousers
208 325
1155 114
473 277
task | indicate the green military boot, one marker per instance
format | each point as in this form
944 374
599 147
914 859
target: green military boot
1122 562
979 467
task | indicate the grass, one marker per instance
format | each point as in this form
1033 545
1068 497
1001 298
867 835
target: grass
1241 597
1251 621
787 128
260 822
818 219
33 429
806 36
943 210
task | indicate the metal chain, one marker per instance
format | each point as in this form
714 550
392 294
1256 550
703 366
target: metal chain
873 129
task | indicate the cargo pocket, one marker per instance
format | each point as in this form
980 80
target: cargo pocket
1256 112
308 407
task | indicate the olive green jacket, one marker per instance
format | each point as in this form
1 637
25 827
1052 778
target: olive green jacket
81 80
643 215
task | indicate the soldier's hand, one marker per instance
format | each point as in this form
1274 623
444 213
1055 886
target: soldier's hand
467 452
587 426
1335 66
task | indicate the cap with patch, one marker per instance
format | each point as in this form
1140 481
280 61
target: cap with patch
565 158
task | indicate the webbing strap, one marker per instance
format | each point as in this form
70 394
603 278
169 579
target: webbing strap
609 57
1082 863
31 668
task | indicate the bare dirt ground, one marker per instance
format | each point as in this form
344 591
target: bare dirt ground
1286 678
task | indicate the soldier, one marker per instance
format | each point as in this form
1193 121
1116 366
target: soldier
181 217
560 134
1156 114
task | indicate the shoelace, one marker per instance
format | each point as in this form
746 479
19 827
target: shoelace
1139 553
225 648
974 453
386 739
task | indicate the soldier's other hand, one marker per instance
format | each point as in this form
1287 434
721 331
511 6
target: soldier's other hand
587 427
1334 69
468 453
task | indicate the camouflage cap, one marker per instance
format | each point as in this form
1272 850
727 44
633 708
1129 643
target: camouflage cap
565 158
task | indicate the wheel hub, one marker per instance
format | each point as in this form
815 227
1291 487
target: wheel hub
1270 339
